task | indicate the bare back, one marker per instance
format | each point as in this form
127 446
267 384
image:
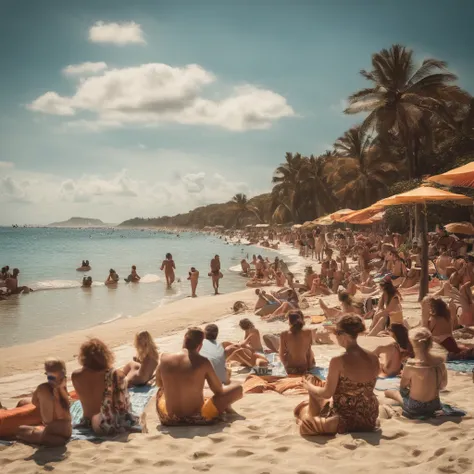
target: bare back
182 377
90 387
360 365
295 350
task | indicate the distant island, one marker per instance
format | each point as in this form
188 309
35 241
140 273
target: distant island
79 222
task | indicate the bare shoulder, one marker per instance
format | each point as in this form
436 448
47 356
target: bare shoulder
43 388
438 360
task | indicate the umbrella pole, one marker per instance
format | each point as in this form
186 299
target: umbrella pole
424 279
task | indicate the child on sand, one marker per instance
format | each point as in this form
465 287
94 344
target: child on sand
52 399
193 278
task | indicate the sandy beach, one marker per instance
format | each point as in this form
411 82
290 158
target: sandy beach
263 437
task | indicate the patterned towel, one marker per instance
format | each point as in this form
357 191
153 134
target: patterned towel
139 398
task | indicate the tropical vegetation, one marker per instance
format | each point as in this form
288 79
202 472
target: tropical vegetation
417 122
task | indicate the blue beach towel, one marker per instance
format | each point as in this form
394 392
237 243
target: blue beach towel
139 398
460 365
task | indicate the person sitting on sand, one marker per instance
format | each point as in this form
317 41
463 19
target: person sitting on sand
392 356
245 267
280 279
181 378
169 267
443 262
249 352
193 277
102 391
282 308
215 352
134 277
215 273
52 399
266 303
347 306
11 283
389 309
350 383
295 345
87 282
142 369
436 317
422 378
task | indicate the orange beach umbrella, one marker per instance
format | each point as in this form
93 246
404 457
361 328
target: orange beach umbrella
338 215
465 228
356 217
462 177
424 195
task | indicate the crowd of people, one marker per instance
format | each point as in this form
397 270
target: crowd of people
195 385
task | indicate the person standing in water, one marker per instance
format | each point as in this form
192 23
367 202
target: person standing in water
169 267
193 278
215 273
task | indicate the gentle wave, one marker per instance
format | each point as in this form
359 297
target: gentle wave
236 268
116 318
69 284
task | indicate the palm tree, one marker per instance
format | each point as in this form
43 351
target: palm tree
402 97
360 175
286 184
312 179
242 208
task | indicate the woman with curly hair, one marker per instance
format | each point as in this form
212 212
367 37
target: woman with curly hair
102 390
350 384
141 370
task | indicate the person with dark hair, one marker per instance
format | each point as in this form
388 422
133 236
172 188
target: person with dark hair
438 319
134 277
295 345
12 286
389 309
87 282
392 356
249 352
52 400
350 383
169 267
113 278
347 306
193 277
181 378
215 273
102 390
214 351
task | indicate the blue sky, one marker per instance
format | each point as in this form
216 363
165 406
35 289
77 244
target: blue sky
174 104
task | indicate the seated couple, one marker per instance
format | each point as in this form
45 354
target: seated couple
181 378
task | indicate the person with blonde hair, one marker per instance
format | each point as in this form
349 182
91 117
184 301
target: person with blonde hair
422 378
52 399
142 369
102 391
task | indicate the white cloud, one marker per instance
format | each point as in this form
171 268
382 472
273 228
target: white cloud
88 188
154 93
116 33
13 191
84 68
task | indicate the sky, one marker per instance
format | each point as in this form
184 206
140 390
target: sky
114 109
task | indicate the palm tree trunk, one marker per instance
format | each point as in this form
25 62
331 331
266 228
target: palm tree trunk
424 279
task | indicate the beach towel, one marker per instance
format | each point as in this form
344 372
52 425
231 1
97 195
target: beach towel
289 385
465 366
139 398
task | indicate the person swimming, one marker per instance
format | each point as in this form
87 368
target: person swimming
87 282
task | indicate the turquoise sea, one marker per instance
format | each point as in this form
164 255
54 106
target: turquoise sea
48 258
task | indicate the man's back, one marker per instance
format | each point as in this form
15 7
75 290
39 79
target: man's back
183 376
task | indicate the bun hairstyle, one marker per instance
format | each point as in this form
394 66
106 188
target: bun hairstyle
421 337
350 324
296 321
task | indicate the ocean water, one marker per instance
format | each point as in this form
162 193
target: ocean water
48 258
